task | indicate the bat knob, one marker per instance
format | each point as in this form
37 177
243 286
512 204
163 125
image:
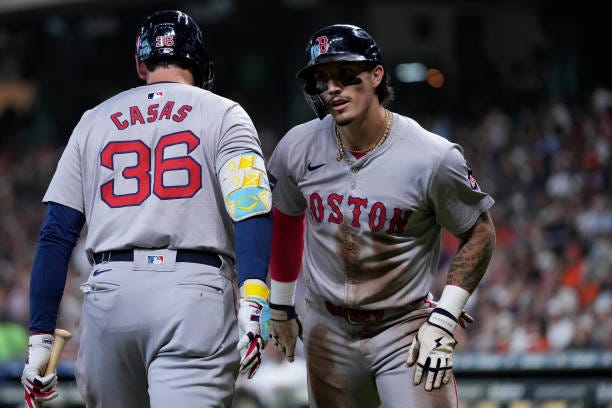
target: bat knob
63 333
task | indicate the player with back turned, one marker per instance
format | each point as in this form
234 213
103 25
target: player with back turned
365 193
170 181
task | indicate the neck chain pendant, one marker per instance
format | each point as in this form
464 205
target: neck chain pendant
341 155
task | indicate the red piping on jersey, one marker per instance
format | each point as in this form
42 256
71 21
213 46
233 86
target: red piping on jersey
287 246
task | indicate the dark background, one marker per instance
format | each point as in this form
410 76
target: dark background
511 54
527 93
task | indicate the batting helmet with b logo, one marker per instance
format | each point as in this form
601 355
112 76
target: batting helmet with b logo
175 36
337 43
340 42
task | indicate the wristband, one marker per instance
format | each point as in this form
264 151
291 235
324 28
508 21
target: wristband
282 293
254 288
453 299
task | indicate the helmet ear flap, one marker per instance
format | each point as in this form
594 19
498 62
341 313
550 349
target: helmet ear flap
310 86
316 103
209 75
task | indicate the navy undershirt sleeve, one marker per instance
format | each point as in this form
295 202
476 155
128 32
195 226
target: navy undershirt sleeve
58 237
253 240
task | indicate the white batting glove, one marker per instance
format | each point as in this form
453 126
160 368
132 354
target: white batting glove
432 349
38 389
465 319
253 319
285 328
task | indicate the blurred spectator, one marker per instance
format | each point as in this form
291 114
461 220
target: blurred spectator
549 286
13 336
13 341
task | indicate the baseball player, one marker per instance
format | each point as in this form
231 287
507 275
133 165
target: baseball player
170 181
365 192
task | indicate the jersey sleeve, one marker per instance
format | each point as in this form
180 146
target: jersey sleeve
286 195
455 193
66 186
237 135
240 167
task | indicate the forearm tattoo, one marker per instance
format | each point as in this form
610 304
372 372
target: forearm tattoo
470 263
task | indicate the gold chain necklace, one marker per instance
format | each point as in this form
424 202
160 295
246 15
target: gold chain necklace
341 149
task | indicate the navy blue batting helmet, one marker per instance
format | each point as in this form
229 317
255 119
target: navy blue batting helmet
174 35
340 42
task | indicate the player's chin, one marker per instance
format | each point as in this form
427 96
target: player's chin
342 118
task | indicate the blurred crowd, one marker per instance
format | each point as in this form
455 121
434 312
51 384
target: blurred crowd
548 288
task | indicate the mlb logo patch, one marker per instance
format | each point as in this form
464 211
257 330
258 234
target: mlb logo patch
155 95
155 259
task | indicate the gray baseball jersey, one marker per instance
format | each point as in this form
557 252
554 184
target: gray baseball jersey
149 157
373 228
143 167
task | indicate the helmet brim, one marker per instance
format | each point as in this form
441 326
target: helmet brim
306 72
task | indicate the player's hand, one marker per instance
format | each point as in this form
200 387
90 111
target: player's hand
465 319
285 328
38 389
432 350
253 327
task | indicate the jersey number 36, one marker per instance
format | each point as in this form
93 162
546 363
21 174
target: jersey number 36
141 172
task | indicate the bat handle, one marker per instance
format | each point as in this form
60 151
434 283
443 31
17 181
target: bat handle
60 338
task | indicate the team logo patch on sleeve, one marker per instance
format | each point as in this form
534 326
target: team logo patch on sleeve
472 180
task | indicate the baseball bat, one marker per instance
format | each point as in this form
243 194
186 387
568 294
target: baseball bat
61 337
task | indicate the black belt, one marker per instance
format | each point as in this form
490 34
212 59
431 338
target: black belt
182 255
360 316
355 316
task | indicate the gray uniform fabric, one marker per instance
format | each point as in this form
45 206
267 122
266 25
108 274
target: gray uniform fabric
372 242
158 336
180 133
142 166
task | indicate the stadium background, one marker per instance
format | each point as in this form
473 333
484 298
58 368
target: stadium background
527 92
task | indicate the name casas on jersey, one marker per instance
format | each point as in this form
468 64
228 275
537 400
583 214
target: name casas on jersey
149 114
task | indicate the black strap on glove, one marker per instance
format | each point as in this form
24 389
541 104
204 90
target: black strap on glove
282 312
285 328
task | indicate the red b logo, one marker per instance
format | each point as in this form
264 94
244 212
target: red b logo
323 44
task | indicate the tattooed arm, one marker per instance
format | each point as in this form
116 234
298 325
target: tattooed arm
431 351
470 263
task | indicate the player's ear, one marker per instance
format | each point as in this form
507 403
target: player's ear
141 69
377 75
